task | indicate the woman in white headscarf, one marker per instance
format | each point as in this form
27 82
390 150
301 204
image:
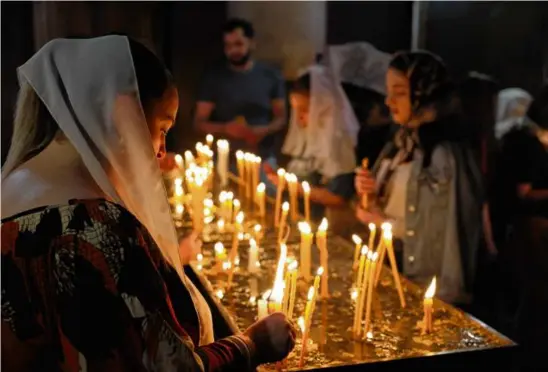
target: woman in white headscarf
93 275
511 108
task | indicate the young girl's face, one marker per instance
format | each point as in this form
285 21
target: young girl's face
398 96
300 104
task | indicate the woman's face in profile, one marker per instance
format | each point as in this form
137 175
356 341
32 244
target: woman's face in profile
398 96
300 104
160 117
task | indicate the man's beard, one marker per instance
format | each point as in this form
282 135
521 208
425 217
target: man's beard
241 61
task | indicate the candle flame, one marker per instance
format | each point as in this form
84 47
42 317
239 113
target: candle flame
248 157
237 261
222 196
178 159
364 251
323 226
178 181
374 256
257 264
226 265
179 209
223 144
304 228
310 295
240 217
306 187
179 190
387 234
199 146
239 155
230 195
386 226
369 335
354 294
293 266
209 138
208 203
285 206
236 203
278 288
189 156
372 227
258 159
301 323
199 257
252 300
252 244
261 187
431 289
241 236
320 271
281 172
257 228
219 248
220 294
267 294
356 239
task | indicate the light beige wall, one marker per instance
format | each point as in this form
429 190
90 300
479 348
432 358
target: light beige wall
288 33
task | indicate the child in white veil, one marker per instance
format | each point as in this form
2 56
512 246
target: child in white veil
92 266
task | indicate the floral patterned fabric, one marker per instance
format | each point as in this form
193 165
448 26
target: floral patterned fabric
85 288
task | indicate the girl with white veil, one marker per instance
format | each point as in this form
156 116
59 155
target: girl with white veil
93 272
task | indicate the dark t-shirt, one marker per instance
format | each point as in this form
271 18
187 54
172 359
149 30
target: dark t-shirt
527 159
244 93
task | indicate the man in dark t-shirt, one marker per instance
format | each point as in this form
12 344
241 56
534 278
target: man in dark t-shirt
242 99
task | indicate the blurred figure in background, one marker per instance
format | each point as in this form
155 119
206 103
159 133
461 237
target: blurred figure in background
512 104
426 180
242 100
525 152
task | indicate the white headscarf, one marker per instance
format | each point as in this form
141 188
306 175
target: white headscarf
326 144
512 106
90 89
359 63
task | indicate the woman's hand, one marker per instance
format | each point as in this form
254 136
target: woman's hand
366 217
189 247
364 182
274 337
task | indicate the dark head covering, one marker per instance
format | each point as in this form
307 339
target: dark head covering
429 80
538 110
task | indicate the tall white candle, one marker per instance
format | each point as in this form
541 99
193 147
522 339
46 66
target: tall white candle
223 149
253 256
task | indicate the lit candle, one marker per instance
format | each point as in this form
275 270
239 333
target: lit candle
283 221
278 289
361 266
221 225
200 259
189 158
293 269
306 243
179 210
260 199
220 254
248 164
360 304
262 305
279 194
209 140
381 249
372 232
428 306
321 241
364 200
236 206
309 310
220 294
306 191
358 244
179 161
240 162
256 171
373 258
291 180
387 235
223 149
258 233
253 256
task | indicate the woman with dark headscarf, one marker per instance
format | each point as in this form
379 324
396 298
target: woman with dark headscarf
427 181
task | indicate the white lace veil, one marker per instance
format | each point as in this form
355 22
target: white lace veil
326 144
90 88
512 105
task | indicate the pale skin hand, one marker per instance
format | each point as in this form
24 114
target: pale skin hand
274 337
234 129
364 182
367 217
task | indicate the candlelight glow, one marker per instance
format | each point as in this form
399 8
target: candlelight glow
301 324
179 209
252 300
222 196
219 248
372 227
364 250
230 195
188 156
257 159
257 228
320 271
261 187
179 159
431 291
179 190
252 243
278 288
208 203
386 226
285 206
304 228
369 335
267 294
200 257
209 138
221 224
354 294
258 264
237 261
220 294
293 266
281 172
226 265
310 295
199 146
178 181
387 234
306 187
222 144
241 236
374 256
356 239
323 226
239 155
248 157
240 217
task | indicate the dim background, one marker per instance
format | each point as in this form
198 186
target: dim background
508 40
